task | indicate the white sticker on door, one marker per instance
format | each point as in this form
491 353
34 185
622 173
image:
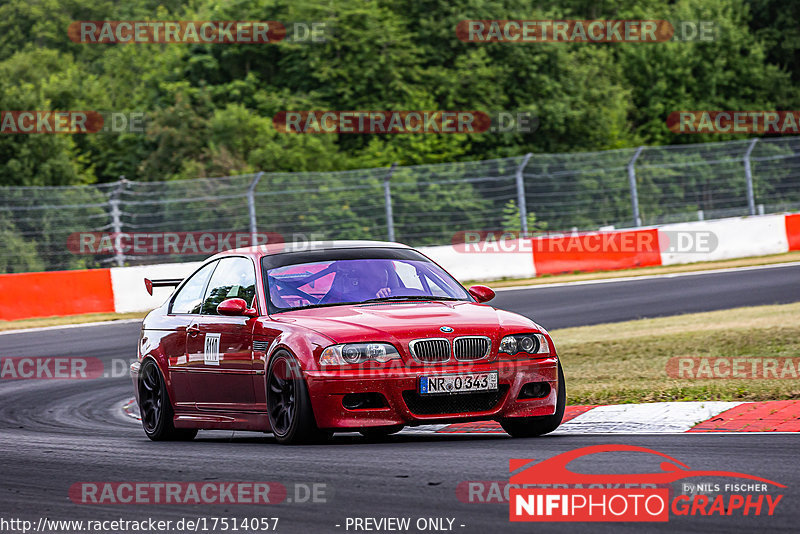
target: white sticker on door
211 352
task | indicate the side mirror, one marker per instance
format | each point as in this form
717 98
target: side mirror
481 293
235 307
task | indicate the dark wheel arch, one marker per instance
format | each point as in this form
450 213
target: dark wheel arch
291 417
155 406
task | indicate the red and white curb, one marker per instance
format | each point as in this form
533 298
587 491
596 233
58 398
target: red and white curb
650 418
658 417
770 416
131 409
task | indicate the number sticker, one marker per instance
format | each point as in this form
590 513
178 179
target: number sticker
211 350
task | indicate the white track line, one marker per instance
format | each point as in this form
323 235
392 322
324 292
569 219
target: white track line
651 276
76 325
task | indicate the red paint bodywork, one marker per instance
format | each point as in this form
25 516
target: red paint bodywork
481 293
232 395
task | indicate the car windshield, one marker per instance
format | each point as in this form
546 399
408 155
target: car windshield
355 281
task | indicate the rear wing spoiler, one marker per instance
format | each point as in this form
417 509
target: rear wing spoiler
164 282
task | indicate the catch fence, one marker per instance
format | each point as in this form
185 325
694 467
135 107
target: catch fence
41 227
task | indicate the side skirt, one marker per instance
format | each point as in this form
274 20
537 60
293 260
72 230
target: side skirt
258 422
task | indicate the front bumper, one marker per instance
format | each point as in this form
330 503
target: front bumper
328 388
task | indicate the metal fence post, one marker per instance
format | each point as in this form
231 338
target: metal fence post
523 208
251 206
116 222
748 176
387 199
637 219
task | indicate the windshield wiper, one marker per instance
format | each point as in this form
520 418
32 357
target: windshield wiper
401 298
309 306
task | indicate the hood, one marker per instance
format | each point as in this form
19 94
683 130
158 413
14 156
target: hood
403 321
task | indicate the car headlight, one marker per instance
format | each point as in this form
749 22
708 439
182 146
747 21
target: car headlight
353 353
525 343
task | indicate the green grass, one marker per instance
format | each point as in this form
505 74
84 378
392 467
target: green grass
626 362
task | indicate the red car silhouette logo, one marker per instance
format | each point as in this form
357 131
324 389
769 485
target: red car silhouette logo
554 470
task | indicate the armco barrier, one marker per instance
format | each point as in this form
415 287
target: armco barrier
121 289
596 251
792 223
55 293
738 237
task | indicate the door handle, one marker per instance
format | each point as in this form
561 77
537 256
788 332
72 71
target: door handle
193 330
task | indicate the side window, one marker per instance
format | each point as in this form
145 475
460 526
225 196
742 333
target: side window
190 296
234 278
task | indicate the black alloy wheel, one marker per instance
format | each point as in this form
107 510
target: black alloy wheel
155 407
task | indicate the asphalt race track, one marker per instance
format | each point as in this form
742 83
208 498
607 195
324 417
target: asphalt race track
55 433
584 304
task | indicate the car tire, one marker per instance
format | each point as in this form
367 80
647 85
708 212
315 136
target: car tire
380 432
291 418
155 408
529 427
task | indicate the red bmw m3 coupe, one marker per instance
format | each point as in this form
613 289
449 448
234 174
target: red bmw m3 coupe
354 336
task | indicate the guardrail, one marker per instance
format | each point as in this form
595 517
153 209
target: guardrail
121 289
42 228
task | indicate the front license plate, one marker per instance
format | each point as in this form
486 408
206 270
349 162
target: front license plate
442 384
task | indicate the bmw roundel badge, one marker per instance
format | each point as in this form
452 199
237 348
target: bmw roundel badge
446 329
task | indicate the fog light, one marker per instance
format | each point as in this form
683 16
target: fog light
364 401
534 390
